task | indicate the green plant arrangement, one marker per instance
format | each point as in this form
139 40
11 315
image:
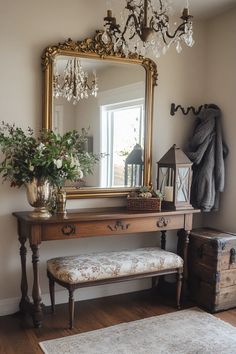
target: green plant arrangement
42 164
50 156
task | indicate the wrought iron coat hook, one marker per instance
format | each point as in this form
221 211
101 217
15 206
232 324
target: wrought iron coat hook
186 111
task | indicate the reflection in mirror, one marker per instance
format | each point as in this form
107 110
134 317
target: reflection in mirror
108 99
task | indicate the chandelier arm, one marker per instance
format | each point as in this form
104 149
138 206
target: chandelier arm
161 4
164 39
180 28
159 29
131 16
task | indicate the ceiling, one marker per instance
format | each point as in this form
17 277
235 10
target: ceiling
204 8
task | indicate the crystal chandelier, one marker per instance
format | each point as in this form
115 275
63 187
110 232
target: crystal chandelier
74 84
146 25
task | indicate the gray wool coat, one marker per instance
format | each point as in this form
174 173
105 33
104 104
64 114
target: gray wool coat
207 151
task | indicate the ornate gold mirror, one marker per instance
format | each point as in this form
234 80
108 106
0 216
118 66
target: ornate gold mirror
89 86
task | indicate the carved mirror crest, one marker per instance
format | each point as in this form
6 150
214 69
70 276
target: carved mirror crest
113 99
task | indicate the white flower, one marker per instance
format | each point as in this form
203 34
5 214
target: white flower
80 173
31 168
74 162
58 163
41 147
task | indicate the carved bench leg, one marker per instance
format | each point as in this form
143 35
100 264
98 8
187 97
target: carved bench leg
71 307
52 292
179 287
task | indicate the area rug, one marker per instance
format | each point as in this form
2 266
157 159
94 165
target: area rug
189 331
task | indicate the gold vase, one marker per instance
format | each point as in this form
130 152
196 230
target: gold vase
39 193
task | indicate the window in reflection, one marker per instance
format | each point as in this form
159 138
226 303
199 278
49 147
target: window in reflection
122 133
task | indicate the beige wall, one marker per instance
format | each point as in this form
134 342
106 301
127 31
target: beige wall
221 89
26 27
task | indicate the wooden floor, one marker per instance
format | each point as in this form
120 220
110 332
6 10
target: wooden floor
18 337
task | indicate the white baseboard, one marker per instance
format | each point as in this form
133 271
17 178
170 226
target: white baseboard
11 305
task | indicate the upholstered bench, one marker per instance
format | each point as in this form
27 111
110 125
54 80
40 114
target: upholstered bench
74 272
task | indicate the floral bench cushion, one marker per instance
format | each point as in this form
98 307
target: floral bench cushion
109 265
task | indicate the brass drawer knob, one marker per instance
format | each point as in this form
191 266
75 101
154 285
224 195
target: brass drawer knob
68 230
162 222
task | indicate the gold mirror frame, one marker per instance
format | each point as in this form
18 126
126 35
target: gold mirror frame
94 48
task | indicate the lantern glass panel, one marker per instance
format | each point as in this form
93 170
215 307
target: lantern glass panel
133 175
165 178
182 184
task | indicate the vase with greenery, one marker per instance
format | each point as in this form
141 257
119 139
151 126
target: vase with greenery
42 162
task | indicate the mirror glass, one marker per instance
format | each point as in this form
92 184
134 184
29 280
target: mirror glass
110 105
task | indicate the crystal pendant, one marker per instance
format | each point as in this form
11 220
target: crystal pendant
117 45
125 49
164 50
178 47
105 38
157 54
189 40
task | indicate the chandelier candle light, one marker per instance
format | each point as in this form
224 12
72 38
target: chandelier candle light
74 84
146 25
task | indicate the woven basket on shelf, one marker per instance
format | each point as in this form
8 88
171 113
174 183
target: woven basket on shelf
137 203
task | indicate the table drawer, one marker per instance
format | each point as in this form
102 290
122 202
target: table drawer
110 227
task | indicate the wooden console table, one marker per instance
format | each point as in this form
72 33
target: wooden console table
89 223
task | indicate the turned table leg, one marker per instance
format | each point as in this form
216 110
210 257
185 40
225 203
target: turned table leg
36 292
24 302
52 291
163 239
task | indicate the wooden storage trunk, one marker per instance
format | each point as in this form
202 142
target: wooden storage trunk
212 269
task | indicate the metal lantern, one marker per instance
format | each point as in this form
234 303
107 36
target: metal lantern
134 167
174 176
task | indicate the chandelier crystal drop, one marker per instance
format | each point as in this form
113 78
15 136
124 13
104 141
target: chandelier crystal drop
74 86
145 24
